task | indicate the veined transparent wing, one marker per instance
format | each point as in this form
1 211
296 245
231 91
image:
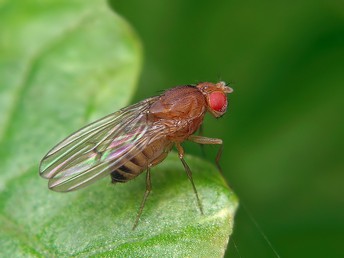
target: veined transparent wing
99 148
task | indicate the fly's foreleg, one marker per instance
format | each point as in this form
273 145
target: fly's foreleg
189 174
147 192
205 140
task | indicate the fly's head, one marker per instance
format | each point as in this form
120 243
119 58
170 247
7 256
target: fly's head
216 97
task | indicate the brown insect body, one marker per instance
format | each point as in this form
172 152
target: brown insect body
182 107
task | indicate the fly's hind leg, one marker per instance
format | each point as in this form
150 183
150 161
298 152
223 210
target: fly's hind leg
205 140
189 174
147 192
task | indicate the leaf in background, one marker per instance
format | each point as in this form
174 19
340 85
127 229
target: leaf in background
63 64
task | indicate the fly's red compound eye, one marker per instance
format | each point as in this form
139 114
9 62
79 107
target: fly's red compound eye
218 101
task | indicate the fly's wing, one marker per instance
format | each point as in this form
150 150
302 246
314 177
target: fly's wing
99 148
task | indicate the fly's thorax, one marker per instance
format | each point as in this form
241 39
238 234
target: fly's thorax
180 111
184 102
184 129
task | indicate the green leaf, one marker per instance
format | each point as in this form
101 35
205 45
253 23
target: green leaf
99 219
63 64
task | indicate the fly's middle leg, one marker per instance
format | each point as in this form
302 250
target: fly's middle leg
189 174
147 192
200 134
205 140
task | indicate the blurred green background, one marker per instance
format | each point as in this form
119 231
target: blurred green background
284 129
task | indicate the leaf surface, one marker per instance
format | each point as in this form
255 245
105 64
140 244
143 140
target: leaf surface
64 64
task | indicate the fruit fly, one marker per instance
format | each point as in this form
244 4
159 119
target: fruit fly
134 139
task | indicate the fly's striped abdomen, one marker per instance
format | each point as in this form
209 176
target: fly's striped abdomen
152 155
